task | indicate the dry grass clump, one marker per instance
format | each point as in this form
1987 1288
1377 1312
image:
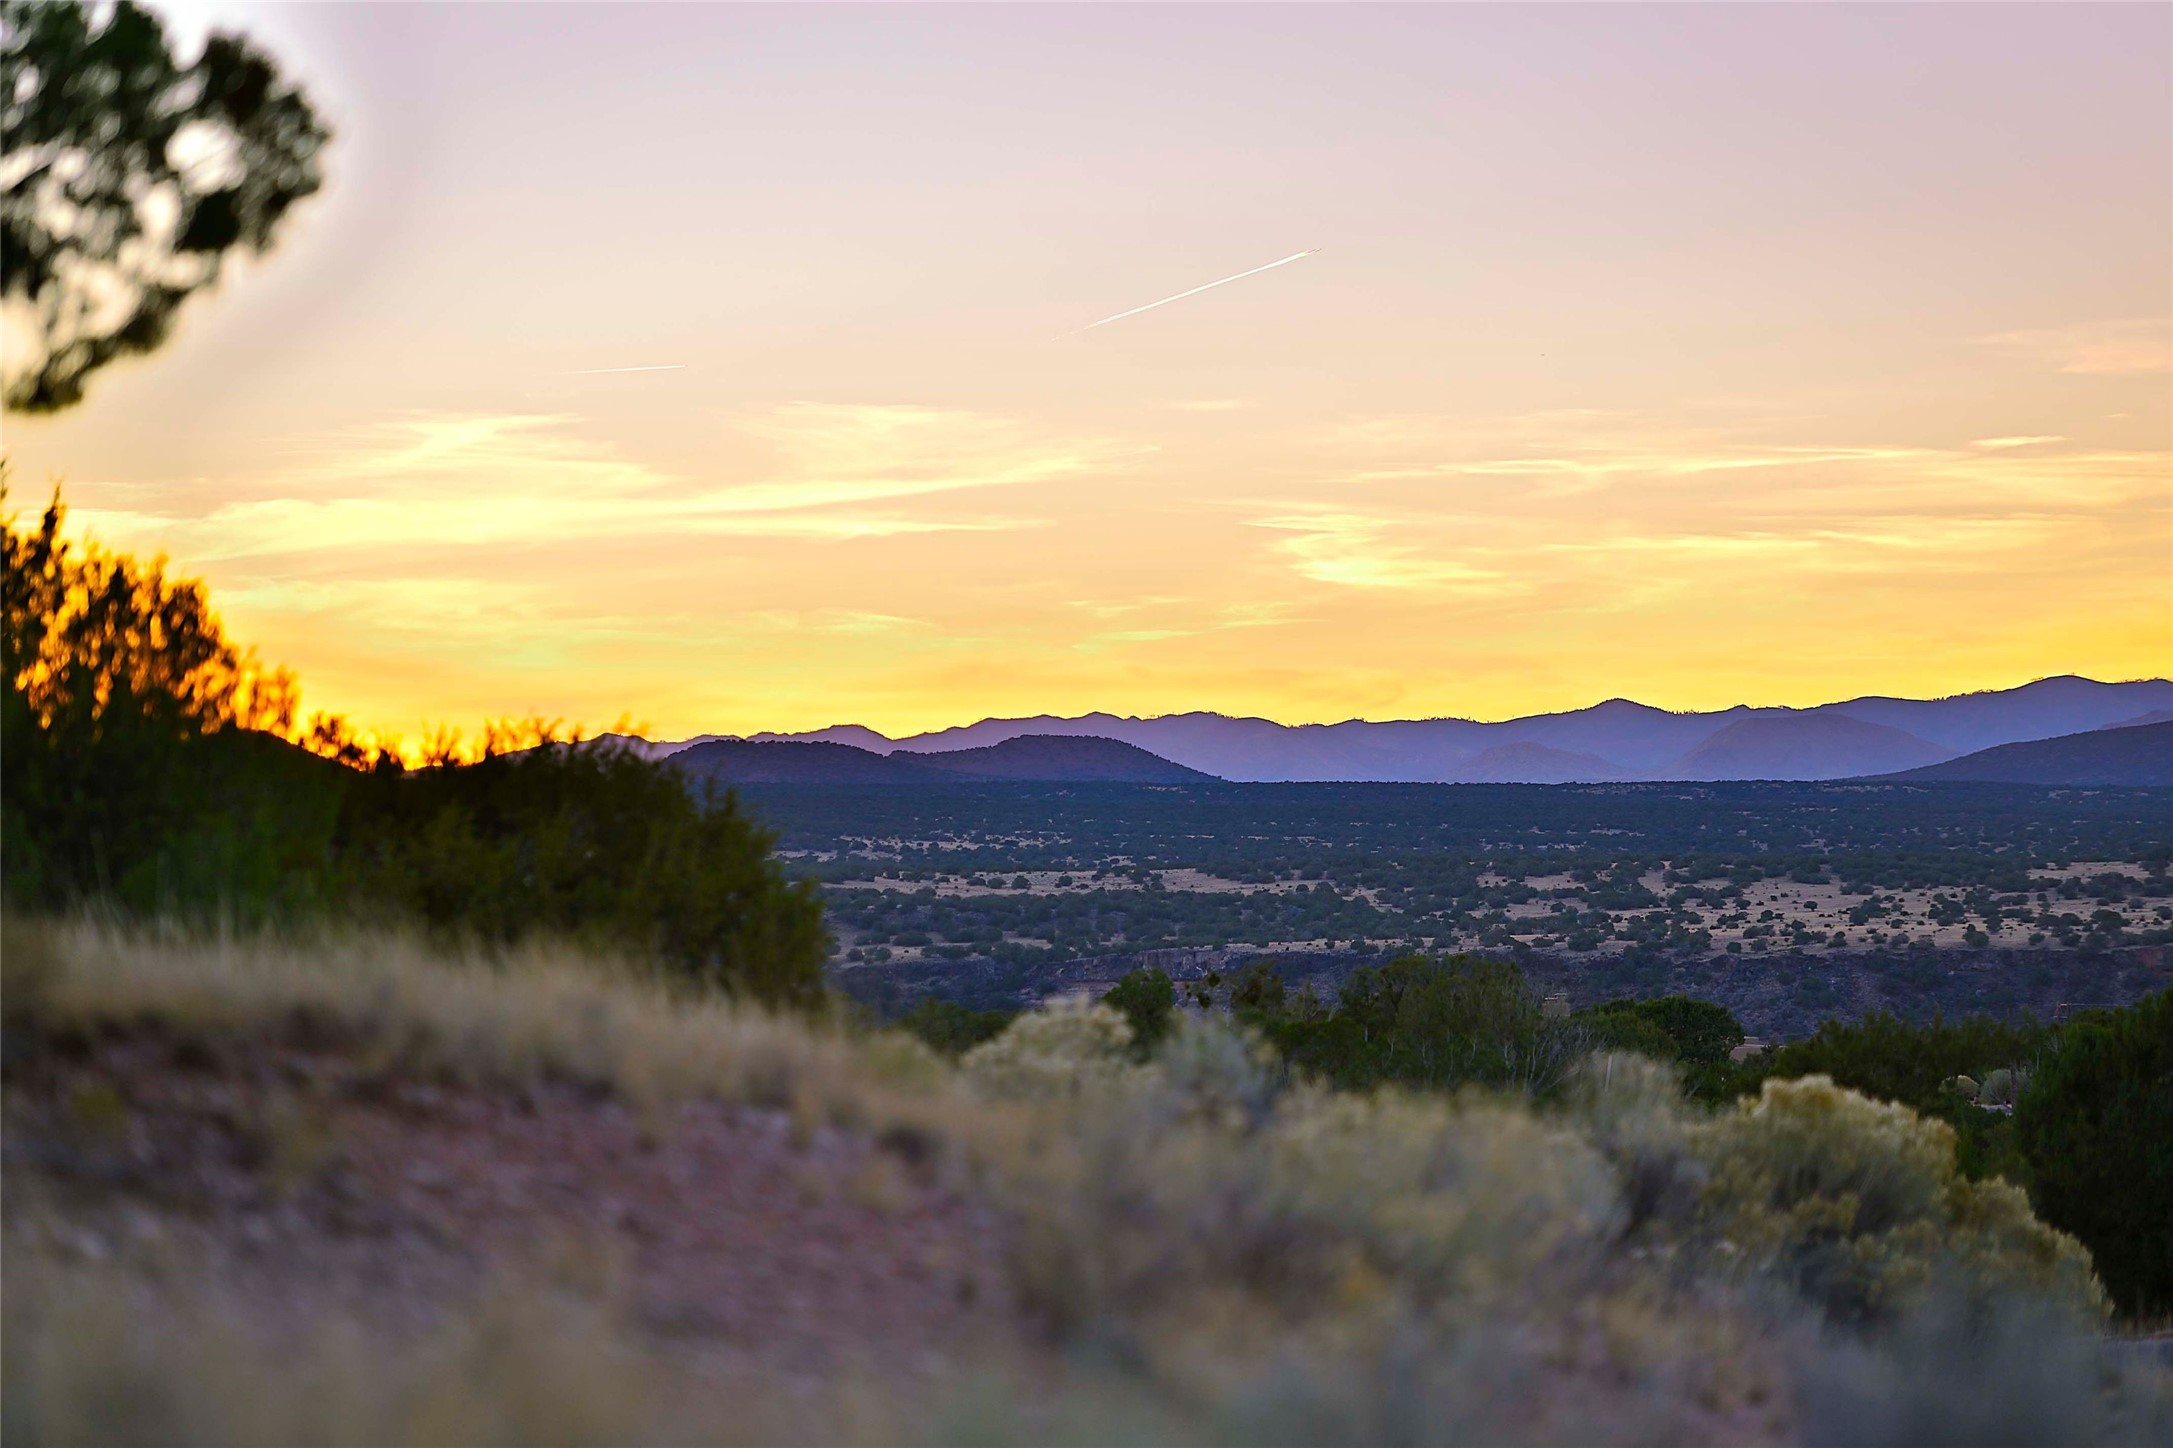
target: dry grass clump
514 1019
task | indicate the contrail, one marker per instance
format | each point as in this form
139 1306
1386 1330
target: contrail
598 371
1286 261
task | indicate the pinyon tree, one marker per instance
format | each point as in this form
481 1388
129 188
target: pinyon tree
129 177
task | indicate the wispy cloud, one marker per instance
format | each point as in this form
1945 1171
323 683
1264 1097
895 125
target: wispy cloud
435 483
1754 546
452 605
1356 550
1473 513
832 621
1581 466
2122 347
1184 618
1120 607
833 454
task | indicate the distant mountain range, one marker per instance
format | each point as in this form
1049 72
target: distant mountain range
1805 746
2123 753
1616 740
1042 758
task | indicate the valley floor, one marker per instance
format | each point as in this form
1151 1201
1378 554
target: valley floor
1781 996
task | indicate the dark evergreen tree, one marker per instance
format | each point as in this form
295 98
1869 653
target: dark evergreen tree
130 178
2094 1127
1149 1001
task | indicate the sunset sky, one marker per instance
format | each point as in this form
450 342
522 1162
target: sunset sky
1696 355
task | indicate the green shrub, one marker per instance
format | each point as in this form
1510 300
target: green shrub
1443 1023
1258 989
593 841
2095 1128
1146 999
1702 1032
953 1029
1884 1056
1624 1030
1463 996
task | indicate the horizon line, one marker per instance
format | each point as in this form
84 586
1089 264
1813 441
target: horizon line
1426 719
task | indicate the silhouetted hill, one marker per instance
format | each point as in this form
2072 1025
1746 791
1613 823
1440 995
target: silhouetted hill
2155 716
1231 748
1634 740
1057 758
2140 754
1804 746
775 761
1041 758
659 749
859 736
2043 709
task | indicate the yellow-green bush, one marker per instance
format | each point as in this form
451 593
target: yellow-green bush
1460 1196
1858 1204
1067 1047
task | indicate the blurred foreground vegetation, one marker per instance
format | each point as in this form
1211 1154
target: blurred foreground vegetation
1199 1244
2079 1113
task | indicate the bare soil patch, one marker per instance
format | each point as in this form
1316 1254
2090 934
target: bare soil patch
304 1185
